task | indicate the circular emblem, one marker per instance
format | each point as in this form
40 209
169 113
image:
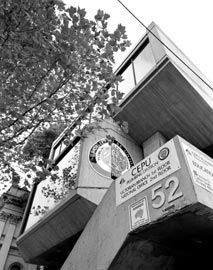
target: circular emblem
163 154
109 160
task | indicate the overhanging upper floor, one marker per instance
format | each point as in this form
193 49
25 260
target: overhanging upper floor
168 102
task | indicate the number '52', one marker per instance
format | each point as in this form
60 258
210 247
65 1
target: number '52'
157 192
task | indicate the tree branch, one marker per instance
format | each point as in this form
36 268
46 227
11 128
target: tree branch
41 79
39 103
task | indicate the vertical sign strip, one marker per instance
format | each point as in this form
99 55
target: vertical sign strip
200 167
139 213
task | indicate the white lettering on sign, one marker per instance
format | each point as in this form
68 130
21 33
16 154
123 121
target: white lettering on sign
139 213
200 167
147 172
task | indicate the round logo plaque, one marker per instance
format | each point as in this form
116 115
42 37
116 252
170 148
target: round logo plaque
163 154
109 160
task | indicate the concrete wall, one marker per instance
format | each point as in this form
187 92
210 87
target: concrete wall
91 184
108 233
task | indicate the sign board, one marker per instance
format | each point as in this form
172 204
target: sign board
147 172
109 160
200 167
139 213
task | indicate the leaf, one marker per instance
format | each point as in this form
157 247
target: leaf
99 15
121 29
125 127
81 12
72 10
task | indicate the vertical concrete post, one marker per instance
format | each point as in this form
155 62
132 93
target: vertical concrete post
153 143
3 219
7 241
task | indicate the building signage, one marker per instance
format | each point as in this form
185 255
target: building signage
147 172
110 159
200 167
139 213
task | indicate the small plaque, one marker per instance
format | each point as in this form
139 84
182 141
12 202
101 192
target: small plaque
200 167
139 213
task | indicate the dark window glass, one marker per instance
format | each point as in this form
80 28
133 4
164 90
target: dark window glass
15 267
58 150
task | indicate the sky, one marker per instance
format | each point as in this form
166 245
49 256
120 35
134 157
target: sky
188 23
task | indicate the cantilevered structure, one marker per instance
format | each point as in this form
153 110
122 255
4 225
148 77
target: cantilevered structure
159 210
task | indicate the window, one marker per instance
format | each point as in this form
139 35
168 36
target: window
136 68
128 80
44 199
58 149
16 266
143 63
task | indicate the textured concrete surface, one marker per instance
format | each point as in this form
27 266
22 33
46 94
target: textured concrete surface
176 231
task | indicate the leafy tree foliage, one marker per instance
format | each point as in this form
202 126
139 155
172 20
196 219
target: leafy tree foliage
54 63
39 144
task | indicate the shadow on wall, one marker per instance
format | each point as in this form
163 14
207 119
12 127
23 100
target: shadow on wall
140 254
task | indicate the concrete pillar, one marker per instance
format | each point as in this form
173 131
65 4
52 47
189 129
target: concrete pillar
7 241
3 220
153 143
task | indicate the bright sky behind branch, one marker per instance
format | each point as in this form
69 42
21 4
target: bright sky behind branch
187 22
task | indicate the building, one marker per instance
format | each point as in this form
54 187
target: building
12 205
157 213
